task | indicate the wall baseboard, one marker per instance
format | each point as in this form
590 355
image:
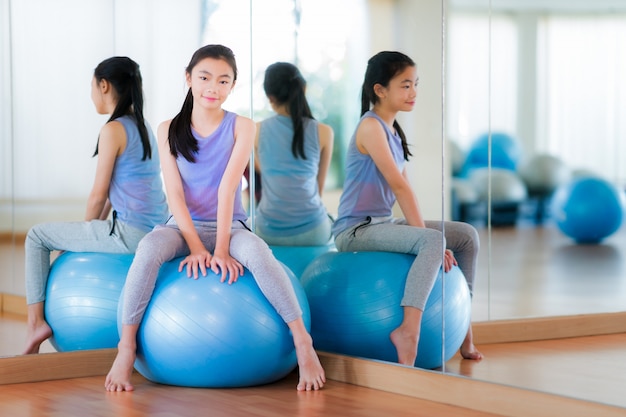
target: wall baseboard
546 328
14 304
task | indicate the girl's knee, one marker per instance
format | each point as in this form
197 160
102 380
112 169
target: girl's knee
471 234
32 237
246 244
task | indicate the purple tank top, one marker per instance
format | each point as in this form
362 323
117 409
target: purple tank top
201 179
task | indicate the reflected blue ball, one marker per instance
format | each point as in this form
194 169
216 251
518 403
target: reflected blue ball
297 258
588 209
81 299
355 304
506 152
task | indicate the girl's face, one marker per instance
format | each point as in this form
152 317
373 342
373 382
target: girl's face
401 92
96 96
211 81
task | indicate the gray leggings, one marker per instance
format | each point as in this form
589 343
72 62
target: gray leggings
91 236
166 242
394 235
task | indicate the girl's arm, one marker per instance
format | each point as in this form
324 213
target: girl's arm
199 257
245 130
371 140
326 137
111 144
105 210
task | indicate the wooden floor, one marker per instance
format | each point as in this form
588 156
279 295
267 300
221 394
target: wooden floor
86 397
589 368
529 271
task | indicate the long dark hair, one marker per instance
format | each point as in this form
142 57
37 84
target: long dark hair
124 76
180 138
285 85
381 68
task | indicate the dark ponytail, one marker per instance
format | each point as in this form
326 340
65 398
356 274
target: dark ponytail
381 68
285 85
180 137
125 78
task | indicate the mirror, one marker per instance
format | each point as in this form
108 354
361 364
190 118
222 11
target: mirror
45 189
23 194
47 143
526 62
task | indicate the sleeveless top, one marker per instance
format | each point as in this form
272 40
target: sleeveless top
366 193
290 201
136 191
201 179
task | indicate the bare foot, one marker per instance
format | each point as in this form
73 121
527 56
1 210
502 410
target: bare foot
312 376
118 378
37 334
469 351
406 346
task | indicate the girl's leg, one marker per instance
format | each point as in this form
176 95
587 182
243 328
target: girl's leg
37 328
405 337
427 245
161 245
42 239
274 283
462 240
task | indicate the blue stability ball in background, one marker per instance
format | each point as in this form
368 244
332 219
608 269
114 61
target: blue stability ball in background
297 258
204 333
506 152
355 304
588 209
81 299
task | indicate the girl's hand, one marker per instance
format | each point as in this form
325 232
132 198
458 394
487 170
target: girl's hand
196 261
448 260
229 266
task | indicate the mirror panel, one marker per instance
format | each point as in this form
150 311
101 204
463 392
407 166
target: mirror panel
527 60
47 169
6 155
51 191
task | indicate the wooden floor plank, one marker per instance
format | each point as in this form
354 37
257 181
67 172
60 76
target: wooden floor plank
591 368
86 397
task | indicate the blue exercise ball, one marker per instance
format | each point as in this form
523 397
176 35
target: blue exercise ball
588 209
355 304
297 258
82 295
204 333
506 152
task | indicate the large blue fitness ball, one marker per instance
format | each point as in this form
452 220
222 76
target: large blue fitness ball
355 304
204 333
588 209
297 258
81 299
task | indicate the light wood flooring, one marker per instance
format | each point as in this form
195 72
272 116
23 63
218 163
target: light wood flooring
530 271
86 397
589 368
